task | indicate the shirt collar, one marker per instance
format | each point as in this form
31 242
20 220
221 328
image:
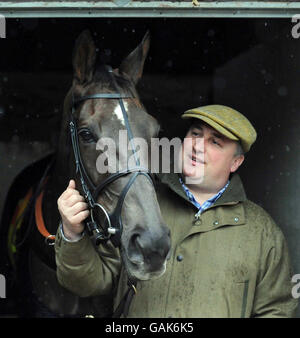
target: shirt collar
233 194
208 203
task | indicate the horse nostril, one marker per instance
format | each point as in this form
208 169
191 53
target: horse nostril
149 247
134 250
154 244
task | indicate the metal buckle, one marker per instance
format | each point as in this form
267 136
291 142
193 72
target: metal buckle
134 288
110 230
49 239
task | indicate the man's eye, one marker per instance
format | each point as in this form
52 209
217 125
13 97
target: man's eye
86 135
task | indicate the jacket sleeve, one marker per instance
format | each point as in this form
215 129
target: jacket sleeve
86 270
273 295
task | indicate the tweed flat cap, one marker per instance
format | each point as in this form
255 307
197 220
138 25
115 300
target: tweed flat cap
227 121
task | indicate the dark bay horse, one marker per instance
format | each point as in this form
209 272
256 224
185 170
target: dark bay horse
99 104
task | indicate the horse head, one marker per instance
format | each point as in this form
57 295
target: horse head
104 103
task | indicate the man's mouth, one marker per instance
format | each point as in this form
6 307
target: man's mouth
195 160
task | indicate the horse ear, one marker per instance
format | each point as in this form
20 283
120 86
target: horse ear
133 64
84 58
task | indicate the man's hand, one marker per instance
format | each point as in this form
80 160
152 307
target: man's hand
73 211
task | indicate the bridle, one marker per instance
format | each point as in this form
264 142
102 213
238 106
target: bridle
112 227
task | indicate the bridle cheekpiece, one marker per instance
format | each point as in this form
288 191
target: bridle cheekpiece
112 227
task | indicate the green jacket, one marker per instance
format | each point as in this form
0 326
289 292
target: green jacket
232 262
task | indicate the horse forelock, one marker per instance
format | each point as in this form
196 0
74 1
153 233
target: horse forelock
102 76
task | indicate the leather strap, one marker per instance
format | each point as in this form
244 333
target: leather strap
123 307
39 220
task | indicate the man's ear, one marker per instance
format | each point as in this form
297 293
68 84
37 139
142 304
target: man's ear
236 162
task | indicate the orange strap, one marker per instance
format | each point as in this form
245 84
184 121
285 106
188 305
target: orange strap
40 221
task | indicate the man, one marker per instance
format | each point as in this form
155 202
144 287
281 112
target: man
229 258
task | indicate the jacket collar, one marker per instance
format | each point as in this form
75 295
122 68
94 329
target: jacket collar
213 218
233 194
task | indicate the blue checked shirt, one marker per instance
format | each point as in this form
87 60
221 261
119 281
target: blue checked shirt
207 203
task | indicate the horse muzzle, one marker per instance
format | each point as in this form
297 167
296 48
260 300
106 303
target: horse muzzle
148 251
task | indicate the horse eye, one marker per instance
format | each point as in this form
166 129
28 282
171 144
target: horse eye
86 135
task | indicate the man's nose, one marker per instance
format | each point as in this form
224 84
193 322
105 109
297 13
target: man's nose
199 145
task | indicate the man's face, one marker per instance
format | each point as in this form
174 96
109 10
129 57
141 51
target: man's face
208 157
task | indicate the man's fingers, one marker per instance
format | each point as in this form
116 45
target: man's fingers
72 208
73 199
80 217
72 184
69 192
78 207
